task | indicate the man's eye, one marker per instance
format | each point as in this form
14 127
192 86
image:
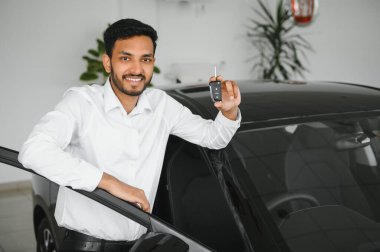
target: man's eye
124 58
147 60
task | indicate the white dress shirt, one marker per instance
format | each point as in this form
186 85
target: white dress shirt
89 133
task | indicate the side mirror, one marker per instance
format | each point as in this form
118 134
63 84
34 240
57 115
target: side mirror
159 242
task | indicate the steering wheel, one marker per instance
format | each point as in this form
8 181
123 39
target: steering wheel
272 204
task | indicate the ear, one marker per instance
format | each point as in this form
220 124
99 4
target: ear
106 63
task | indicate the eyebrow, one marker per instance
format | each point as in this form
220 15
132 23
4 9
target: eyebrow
126 53
130 54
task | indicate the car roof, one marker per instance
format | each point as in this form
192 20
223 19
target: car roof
267 102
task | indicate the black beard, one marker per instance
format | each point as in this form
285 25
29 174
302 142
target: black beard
124 91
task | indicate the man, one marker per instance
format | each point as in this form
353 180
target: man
114 136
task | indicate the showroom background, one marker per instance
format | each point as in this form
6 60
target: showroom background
42 43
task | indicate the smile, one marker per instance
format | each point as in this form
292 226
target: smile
134 79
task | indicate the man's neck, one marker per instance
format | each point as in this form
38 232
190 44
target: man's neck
127 101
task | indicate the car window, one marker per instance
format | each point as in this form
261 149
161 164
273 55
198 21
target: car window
319 181
197 202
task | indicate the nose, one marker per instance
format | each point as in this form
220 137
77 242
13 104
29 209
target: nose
136 68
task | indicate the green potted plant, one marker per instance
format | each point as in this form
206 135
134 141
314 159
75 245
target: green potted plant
281 52
95 69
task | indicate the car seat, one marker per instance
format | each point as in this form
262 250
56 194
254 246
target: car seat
313 166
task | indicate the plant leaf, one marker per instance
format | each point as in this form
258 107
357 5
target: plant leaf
101 46
93 53
266 11
88 59
156 70
88 76
265 18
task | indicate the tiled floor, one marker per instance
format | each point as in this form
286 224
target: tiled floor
16 221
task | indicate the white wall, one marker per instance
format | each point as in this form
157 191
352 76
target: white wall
41 46
42 43
346 38
205 32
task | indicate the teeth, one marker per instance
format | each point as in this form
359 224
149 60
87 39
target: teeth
132 79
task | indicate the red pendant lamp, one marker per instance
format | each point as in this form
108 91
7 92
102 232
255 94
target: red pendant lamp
303 10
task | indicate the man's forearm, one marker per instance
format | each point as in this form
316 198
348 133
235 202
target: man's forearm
106 182
49 160
124 191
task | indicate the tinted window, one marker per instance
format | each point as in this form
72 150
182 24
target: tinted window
197 202
319 181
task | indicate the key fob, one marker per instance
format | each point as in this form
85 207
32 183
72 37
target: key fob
215 91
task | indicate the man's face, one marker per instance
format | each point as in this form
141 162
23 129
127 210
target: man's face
131 64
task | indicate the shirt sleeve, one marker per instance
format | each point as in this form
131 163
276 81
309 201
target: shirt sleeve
44 150
195 129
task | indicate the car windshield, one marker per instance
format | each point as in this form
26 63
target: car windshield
319 181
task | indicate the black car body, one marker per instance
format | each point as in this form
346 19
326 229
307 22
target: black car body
301 174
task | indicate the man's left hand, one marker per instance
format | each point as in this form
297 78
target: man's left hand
230 98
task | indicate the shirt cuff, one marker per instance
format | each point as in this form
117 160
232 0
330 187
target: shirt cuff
92 179
227 122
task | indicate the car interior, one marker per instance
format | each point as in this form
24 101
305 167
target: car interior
310 174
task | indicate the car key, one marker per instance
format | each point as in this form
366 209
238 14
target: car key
215 89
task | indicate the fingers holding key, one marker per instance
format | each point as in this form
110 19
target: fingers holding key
236 92
229 88
219 78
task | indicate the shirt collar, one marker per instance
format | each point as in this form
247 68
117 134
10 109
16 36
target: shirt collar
111 101
142 105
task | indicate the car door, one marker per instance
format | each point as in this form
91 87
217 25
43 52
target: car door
161 236
196 201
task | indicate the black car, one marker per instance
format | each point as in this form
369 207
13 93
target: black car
301 174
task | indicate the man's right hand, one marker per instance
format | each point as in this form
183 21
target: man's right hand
124 191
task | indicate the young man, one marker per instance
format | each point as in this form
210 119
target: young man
114 136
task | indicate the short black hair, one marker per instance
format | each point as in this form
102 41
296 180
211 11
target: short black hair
126 28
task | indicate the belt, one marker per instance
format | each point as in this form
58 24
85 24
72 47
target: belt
75 241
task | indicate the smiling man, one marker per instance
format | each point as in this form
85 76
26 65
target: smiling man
114 137
131 67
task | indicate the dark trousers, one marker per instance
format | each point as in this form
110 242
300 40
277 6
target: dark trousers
75 241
